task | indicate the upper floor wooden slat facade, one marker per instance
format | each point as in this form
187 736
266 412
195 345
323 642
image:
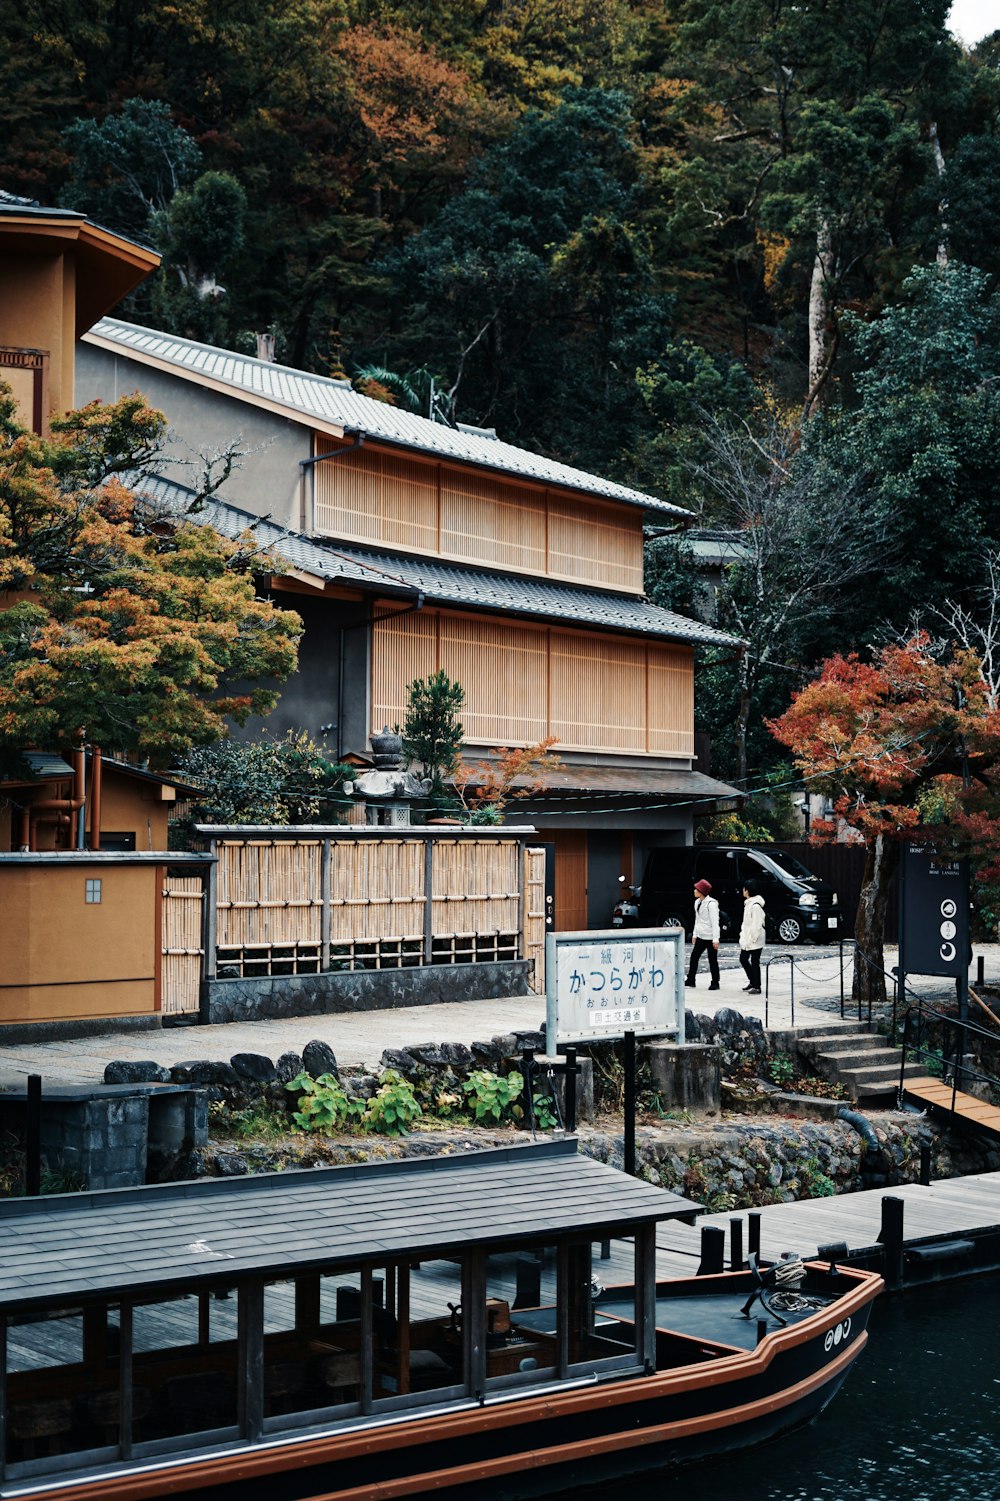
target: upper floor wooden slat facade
523 682
469 516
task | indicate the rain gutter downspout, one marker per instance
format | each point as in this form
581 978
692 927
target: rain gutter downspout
95 798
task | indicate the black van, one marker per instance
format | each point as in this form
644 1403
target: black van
797 904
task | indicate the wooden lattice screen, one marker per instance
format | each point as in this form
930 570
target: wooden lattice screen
183 899
288 905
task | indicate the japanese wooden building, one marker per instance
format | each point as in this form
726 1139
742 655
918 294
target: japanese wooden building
409 546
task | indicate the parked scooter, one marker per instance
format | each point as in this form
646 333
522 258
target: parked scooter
626 910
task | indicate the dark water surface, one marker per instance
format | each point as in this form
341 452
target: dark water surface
918 1419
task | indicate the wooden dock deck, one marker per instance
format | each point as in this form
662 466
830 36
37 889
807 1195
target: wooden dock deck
937 1225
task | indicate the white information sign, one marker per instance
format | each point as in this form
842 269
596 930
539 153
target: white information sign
606 983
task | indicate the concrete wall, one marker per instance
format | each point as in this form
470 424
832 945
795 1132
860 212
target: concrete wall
64 958
206 422
268 996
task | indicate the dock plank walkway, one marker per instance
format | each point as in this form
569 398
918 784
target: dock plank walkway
949 1207
964 1107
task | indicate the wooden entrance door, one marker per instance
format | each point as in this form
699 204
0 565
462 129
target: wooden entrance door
571 877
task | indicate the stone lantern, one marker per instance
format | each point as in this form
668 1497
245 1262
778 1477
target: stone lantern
388 791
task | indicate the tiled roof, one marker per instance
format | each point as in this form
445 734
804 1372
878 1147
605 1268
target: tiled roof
442 582
57 1249
319 398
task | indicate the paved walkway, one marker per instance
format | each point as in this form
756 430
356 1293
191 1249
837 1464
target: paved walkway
359 1039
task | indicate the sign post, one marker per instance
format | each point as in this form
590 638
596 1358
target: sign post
600 985
613 984
934 917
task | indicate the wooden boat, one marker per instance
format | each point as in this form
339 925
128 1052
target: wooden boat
488 1324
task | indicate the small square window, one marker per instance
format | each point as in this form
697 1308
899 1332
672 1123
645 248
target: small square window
93 892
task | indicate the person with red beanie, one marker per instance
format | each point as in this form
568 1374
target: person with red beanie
705 934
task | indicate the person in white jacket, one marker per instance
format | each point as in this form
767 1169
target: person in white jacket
705 933
752 936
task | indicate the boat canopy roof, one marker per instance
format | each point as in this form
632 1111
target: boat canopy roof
88 1246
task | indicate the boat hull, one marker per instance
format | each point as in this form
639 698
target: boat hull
543 1444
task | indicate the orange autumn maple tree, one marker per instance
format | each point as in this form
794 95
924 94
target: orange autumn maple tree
905 745
144 632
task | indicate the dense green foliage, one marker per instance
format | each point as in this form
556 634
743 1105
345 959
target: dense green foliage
728 250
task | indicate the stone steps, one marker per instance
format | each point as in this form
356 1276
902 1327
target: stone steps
849 1053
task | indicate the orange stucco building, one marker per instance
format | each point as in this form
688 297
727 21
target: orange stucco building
59 273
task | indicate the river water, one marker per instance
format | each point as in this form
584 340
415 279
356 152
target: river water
917 1420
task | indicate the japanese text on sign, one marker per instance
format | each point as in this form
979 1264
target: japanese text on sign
605 984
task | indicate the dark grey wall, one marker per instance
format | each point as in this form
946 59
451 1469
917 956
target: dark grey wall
205 422
604 853
311 699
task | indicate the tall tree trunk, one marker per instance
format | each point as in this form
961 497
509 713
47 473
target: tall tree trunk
869 926
942 248
819 304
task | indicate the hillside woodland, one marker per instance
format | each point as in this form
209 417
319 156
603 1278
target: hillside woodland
740 253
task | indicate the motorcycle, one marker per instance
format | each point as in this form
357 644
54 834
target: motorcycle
625 913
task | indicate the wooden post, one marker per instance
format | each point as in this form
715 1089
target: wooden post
645 1295
251 1359
571 1089
211 917
126 1402
891 1237
629 1041
324 914
33 1144
562 1310
428 898
736 1244
367 1340
474 1324
713 1251
753 1232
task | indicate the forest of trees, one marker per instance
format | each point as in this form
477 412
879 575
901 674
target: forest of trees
740 253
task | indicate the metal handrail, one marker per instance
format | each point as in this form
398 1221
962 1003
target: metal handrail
792 960
961 1030
777 959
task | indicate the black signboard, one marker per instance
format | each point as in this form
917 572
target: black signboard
934 912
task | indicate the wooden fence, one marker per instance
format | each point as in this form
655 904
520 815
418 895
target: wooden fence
842 866
301 901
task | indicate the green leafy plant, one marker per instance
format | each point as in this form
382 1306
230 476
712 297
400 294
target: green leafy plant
544 1107
491 1095
323 1103
781 1070
257 1122
393 1107
815 1184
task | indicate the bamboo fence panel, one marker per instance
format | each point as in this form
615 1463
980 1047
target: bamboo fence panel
181 945
268 893
671 700
476 887
490 521
533 943
592 543
503 667
598 692
369 496
376 891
